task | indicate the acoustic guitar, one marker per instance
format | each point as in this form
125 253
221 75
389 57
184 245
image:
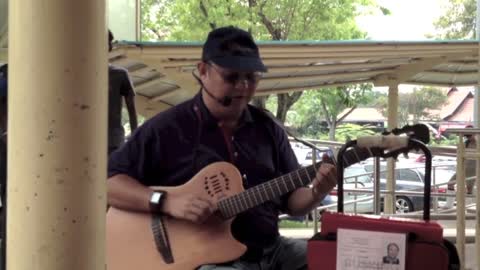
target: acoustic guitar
144 242
141 241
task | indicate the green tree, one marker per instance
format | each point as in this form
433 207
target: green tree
325 106
417 105
156 18
346 132
265 19
459 20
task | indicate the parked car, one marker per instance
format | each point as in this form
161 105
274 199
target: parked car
355 177
408 178
411 178
305 157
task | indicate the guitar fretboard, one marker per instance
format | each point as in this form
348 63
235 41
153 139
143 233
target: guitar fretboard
270 190
277 187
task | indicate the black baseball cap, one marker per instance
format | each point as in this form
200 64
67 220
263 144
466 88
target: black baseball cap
233 48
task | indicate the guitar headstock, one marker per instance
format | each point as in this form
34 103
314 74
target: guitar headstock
417 131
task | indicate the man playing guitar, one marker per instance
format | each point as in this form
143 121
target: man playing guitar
219 125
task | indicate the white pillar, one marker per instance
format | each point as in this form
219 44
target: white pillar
461 190
57 135
392 106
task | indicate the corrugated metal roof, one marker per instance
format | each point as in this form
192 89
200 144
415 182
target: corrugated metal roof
162 71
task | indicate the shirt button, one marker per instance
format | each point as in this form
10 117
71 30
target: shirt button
233 138
235 154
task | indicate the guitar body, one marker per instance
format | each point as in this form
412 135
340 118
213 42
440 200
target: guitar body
131 244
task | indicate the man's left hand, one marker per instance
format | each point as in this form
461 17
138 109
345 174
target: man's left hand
325 180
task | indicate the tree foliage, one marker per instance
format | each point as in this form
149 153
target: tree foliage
459 20
319 110
191 20
417 105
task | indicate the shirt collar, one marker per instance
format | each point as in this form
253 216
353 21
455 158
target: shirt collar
209 120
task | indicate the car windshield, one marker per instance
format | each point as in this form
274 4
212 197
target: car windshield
309 155
351 172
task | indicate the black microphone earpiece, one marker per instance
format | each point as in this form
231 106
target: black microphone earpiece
227 100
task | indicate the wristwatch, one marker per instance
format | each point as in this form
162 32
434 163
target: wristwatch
156 201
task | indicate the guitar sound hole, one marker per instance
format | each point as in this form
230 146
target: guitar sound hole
217 184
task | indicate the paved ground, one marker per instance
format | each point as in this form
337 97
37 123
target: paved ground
449 233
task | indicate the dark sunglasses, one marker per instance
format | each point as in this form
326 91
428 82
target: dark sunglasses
234 77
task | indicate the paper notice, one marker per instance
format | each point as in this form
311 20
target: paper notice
362 250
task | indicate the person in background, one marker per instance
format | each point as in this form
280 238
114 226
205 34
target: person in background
119 85
470 173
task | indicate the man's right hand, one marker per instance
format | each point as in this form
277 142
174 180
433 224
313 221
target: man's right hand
188 207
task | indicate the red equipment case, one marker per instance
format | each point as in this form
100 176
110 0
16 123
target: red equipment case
426 248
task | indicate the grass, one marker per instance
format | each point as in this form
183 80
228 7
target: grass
290 224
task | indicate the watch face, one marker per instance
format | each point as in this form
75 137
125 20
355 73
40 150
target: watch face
156 196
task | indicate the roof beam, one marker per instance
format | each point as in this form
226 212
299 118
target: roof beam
194 50
273 82
405 72
315 86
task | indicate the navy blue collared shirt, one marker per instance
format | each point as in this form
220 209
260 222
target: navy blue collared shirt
170 148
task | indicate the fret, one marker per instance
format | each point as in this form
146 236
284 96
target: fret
277 185
284 184
257 192
221 208
225 208
307 176
230 209
299 176
269 189
292 181
251 194
249 201
235 205
242 202
264 192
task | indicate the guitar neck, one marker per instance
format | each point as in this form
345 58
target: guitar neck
277 187
267 191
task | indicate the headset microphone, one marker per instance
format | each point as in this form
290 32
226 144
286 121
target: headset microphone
225 101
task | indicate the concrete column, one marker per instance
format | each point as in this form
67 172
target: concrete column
460 197
57 135
388 206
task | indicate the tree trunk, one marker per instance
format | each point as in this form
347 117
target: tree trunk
331 131
282 108
260 102
284 103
